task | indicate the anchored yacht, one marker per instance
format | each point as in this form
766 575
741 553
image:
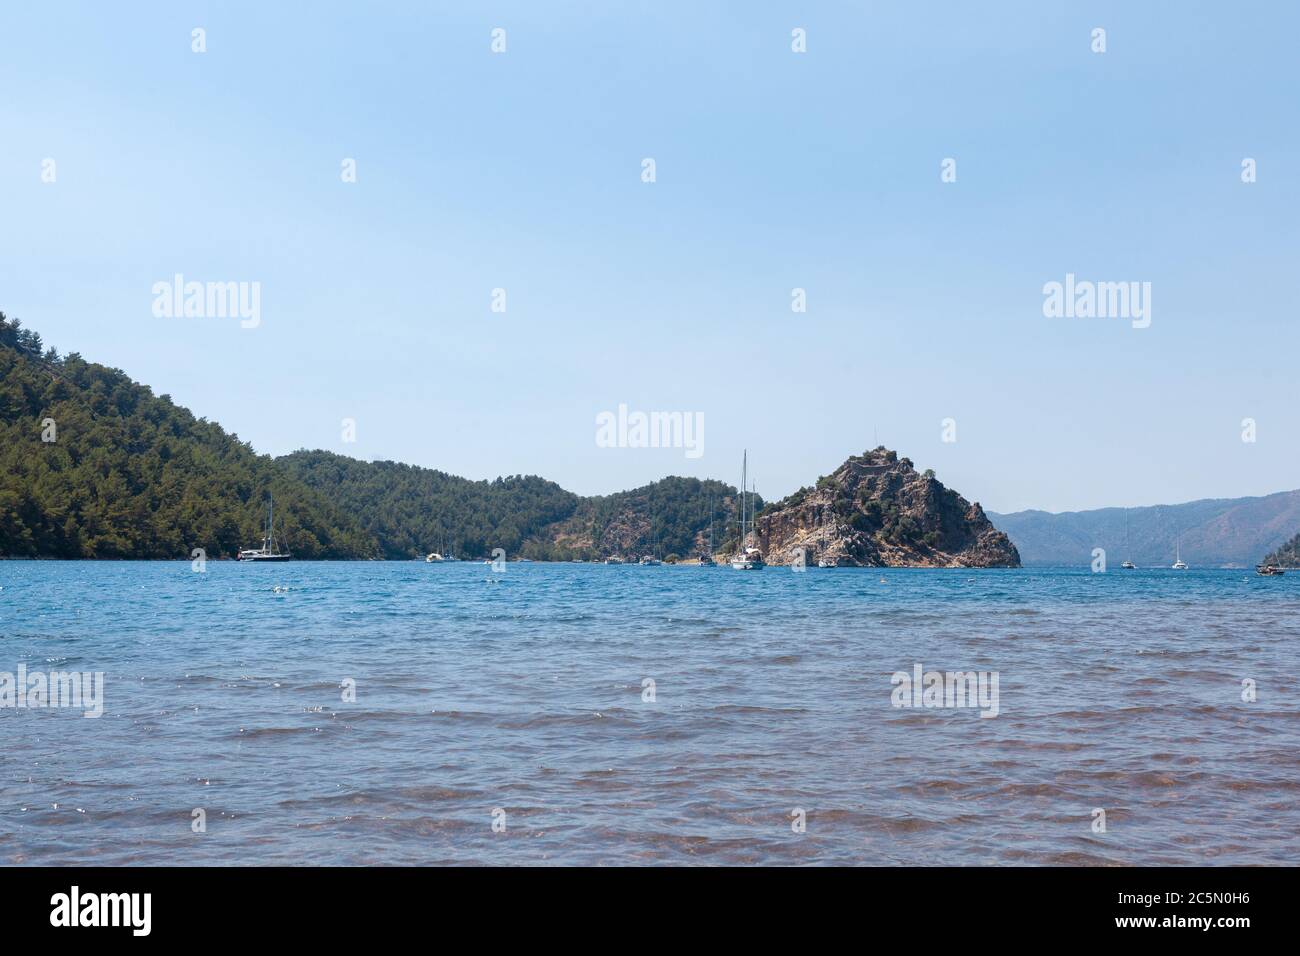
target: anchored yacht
1179 564
745 558
268 551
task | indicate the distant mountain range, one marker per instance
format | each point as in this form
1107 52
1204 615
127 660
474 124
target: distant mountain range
1213 532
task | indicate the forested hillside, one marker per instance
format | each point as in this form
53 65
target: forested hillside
665 519
1287 556
129 474
412 510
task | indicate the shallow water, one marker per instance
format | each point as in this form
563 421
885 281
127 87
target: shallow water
522 691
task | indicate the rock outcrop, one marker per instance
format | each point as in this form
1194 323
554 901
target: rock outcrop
877 511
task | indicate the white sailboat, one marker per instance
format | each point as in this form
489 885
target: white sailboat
1179 565
1128 565
745 558
268 551
652 559
439 557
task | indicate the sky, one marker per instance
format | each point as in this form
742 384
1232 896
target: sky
774 170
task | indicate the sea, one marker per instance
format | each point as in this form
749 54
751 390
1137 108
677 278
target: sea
358 713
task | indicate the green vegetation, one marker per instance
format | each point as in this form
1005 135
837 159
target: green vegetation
132 475
129 474
411 511
670 516
1287 556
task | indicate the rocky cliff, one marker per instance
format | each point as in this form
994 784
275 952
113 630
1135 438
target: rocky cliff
875 510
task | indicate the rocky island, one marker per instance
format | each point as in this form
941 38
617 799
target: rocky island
875 510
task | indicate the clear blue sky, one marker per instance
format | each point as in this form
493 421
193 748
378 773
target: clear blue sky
775 170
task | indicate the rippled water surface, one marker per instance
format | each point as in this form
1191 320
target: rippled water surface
523 691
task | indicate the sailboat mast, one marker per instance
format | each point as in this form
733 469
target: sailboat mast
744 491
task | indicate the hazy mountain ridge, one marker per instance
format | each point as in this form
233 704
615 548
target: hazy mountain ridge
1211 532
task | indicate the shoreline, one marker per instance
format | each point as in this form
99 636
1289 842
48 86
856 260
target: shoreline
694 563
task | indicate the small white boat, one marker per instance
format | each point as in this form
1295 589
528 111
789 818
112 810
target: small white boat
746 558
268 551
613 559
1179 564
1127 565
750 560
826 563
649 559
438 557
